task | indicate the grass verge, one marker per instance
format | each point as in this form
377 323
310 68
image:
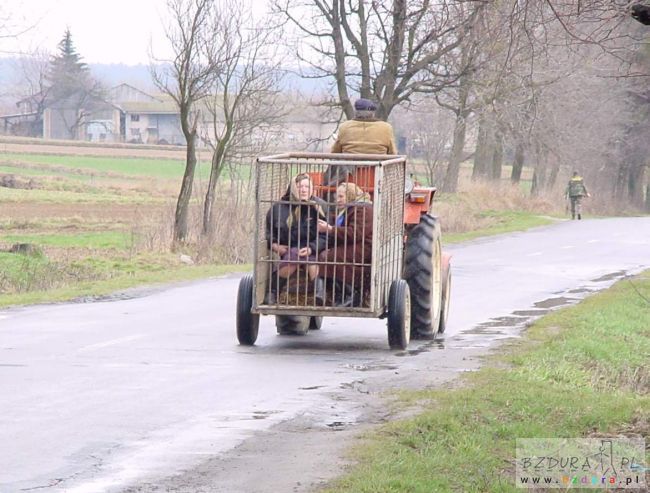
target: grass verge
39 280
501 222
578 372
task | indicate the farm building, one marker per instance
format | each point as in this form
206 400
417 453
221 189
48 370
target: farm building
128 114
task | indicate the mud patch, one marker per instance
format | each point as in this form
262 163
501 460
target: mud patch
424 348
531 313
555 302
610 277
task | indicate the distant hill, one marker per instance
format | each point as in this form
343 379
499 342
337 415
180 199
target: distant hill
140 77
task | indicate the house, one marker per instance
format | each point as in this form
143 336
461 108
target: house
145 118
128 114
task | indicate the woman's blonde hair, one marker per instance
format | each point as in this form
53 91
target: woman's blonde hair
294 196
354 193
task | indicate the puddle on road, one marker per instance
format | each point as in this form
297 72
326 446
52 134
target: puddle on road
555 302
531 313
426 347
580 291
610 277
314 387
484 334
370 367
255 415
503 322
338 425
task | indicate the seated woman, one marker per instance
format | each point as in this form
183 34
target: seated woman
347 261
292 233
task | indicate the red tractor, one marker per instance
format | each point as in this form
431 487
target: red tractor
408 278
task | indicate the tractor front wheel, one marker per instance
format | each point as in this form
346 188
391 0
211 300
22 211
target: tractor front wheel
315 323
399 315
295 325
423 273
446 298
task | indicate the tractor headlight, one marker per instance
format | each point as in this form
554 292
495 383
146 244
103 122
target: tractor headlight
408 186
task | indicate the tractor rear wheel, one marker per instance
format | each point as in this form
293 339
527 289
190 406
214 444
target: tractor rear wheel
423 272
247 323
292 324
399 315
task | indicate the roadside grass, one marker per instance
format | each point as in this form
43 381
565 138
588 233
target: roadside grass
484 209
581 371
27 280
96 239
502 222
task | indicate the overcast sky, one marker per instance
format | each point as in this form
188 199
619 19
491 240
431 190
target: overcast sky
108 31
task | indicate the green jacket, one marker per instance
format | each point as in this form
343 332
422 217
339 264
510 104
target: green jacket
576 187
365 137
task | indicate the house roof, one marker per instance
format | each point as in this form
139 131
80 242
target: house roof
132 87
165 107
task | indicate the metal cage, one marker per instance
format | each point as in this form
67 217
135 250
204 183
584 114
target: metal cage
369 277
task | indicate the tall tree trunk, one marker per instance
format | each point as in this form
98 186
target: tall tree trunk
181 226
553 170
484 153
518 163
497 156
539 175
218 158
636 180
450 183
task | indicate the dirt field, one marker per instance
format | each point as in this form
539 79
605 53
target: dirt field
34 146
125 213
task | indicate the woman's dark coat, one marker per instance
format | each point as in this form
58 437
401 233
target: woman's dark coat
351 244
303 230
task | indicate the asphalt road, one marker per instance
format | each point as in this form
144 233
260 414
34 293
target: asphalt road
112 395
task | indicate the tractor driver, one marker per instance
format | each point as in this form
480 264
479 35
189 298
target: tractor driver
364 134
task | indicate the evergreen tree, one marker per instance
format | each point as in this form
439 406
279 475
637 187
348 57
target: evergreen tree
73 93
68 74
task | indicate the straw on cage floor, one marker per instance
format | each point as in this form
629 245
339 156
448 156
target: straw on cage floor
302 297
299 297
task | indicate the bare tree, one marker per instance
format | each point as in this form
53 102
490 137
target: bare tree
187 79
244 94
387 51
31 89
428 129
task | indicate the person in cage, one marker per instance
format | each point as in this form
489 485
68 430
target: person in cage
292 233
364 134
350 244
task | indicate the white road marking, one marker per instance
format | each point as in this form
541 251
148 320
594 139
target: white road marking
593 241
567 247
112 342
535 254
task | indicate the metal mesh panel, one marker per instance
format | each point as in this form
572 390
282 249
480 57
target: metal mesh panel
367 279
390 230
